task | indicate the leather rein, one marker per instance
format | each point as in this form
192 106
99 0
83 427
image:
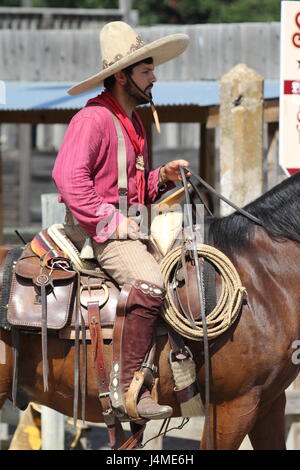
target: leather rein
243 212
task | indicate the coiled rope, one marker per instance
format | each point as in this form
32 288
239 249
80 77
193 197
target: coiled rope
229 303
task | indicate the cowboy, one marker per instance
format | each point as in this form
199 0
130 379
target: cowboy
86 175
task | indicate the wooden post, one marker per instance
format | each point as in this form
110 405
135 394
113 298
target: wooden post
206 153
125 7
53 425
53 429
241 136
53 212
25 174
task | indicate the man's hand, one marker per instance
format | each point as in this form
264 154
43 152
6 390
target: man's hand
128 228
170 171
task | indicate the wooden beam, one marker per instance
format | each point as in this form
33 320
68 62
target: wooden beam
178 114
38 116
271 110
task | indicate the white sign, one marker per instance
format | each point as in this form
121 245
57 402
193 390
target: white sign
289 128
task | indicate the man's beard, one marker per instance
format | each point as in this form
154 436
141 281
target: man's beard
134 93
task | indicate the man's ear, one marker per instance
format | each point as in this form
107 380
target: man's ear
121 77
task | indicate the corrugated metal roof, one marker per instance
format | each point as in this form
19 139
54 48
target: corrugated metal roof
53 95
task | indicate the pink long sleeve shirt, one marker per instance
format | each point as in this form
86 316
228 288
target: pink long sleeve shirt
86 172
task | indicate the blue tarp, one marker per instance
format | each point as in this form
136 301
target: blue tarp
53 95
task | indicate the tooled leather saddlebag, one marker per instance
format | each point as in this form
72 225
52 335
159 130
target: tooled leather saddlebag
25 302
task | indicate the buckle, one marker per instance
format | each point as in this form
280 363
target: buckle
109 417
123 191
181 354
84 301
152 367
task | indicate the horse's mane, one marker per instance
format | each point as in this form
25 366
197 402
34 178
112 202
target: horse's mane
278 210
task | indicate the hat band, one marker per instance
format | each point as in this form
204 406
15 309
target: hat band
139 43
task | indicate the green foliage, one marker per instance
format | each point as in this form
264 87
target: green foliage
207 11
179 11
10 3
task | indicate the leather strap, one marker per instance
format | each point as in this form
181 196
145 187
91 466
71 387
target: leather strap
186 393
114 427
134 440
15 344
122 159
76 355
179 350
223 198
43 280
122 156
44 336
132 394
97 342
189 314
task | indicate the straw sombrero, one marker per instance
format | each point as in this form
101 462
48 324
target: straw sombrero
121 46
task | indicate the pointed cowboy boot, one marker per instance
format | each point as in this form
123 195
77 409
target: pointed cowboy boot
143 307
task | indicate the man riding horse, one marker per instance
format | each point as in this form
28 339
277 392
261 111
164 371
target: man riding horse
90 182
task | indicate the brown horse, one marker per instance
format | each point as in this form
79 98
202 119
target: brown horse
251 363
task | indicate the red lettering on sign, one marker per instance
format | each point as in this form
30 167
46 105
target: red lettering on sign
292 87
296 36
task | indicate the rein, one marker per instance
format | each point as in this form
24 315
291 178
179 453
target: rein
200 288
213 191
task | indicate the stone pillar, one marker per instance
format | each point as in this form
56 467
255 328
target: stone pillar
241 136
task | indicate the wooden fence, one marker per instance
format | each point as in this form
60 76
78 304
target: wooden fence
71 55
28 18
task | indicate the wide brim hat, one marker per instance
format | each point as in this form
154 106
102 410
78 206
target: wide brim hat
121 47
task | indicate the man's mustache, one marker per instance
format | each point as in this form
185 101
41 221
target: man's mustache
148 89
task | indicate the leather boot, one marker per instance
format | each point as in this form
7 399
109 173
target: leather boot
143 308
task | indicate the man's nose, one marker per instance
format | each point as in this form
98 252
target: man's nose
153 78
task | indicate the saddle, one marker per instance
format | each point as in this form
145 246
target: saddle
54 291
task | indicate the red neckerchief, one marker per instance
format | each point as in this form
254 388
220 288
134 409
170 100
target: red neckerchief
137 138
